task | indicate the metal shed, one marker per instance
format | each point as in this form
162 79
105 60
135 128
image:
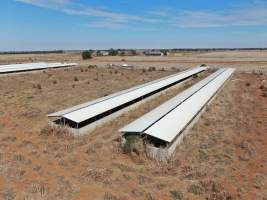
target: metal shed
79 117
13 68
164 125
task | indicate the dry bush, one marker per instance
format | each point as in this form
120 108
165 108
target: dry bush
144 179
54 81
195 189
248 150
175 69
109 196
93 148
39 188
195 76
7 193
97 175
263 88
55 130
211 186
151 69
75 78
133 145
176 194
92 66
39 86
220 196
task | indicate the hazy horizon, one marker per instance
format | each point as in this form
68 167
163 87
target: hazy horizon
41 25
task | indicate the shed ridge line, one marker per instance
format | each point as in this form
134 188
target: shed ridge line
122 92
179 118
143 131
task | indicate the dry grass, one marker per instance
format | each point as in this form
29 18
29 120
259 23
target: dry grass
49 166
57 131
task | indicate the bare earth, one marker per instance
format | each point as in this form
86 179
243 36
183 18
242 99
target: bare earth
223 157
241 60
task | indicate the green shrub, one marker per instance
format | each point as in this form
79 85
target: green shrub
176 195
86 55
113 52
132 144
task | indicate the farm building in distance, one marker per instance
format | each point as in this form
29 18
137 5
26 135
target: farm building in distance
154 53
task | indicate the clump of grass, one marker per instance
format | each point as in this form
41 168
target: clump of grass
195 189
263 88
144 70
247 84
195 76
109 196
40 188
54 130
116 71
76 78
38 86
54 82
151 69
175 194
92 66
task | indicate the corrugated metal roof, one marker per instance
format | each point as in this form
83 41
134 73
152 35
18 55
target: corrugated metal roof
31 66
174 122
167 121
89 103
106 104
147 120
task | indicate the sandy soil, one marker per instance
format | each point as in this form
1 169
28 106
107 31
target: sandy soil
223 157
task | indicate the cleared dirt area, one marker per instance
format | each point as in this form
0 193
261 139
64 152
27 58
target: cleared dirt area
223 157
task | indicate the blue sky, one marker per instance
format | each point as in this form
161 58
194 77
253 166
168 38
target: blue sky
95 24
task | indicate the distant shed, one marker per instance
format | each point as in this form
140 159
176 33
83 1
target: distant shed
154 53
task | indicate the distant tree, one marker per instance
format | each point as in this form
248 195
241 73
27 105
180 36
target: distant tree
165 52
133 52
86 55
98 53
113 52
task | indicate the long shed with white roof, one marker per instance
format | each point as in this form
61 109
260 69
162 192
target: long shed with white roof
165 124
87 116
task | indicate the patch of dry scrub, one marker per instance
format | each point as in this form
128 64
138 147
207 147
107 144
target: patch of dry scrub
57 131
